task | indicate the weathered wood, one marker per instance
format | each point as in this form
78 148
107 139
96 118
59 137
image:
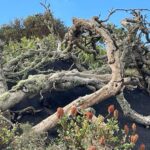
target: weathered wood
111 89
117 51
38 84
129 112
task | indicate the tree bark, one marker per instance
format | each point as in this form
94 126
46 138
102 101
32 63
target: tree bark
129 112
60 81
111 89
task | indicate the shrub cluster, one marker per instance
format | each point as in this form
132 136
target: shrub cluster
84 132
80 130
34 25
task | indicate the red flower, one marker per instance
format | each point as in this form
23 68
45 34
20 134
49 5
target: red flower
92 147
60 112
142 147
126 129
73 111
89 115
111 109
102 140
134 138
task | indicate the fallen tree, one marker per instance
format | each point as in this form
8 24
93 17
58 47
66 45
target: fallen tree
128 66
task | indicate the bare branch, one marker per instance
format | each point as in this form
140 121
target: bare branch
129 112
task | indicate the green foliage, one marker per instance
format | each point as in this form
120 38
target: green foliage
15 49
131 72
34 25
29 140
78 133
11 31
6 133
74 133
88 59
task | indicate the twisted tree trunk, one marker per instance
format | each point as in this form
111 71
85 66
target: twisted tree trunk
111 89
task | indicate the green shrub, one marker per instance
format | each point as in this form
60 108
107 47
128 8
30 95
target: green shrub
79 133
75 132
7 133
88 59
34 25
15 49
29 140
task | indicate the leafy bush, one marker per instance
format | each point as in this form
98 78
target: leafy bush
29 140
6 132
32 26
81 131
14 49
20 137
88 59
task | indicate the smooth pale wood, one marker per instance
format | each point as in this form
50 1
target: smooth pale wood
111 89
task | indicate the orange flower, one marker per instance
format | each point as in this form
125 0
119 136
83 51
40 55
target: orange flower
73 111
142 147
92 147
126 129
89 115
134 138
60 112
134 127
102 140
111 109
116 114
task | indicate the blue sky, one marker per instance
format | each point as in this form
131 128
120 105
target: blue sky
66 9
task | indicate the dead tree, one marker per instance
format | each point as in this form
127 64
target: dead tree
125 50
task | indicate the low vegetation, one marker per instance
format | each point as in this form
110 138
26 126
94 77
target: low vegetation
79 130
